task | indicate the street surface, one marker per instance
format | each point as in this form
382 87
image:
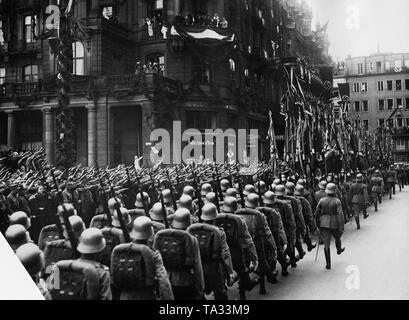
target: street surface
379 252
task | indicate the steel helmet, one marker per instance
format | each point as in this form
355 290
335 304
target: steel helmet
112 203
31 257
16 235
142 228
181 219
138 201
331 189
269 197
157 213
186 202
231 192
209 212
263 187
91 241
280 190
125 216
167 196
299 190
190 191
359 177
276 182
249 188
20 217
252 201
205 189
224 184
301 182
229 205
290 188
322 185
211 197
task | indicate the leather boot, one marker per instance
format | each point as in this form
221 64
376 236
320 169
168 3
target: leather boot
327 258
310 246
358 226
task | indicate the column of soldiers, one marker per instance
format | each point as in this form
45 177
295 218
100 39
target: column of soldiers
181 241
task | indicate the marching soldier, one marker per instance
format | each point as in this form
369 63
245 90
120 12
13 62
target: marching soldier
359 195
205 189
242 249
308 217
215 253
330 220
376 187
139 210
142 233
391 180
320 194
186 202
158 216
32 258
20 217
287 217
298 215
91 242
16 235
181 257
277 229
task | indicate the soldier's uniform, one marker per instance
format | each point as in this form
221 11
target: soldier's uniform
262 237
401 178
331 221
308 217
319 194
104 278
142 233
287 217
298 215
391 180
242 249
376 188
185 273
216 260
277 228
359 195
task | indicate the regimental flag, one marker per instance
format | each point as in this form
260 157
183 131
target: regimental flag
272 137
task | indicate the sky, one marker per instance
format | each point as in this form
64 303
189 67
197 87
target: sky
356 27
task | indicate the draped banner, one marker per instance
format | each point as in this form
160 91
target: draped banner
213 44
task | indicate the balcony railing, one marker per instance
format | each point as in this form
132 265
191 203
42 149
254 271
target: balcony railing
149 82
19 89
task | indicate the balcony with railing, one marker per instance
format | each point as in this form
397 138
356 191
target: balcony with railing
126 84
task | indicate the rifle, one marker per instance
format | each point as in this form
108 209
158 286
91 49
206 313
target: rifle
104 199
165 215
240 188
155 191
175 207
71 236
219 189
125 231
217 199
198 196
145 208
260 199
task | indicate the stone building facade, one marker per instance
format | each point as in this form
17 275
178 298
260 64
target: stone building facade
210 64
379 95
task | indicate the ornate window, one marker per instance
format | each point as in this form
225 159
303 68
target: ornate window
30 73
30 29
78 61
